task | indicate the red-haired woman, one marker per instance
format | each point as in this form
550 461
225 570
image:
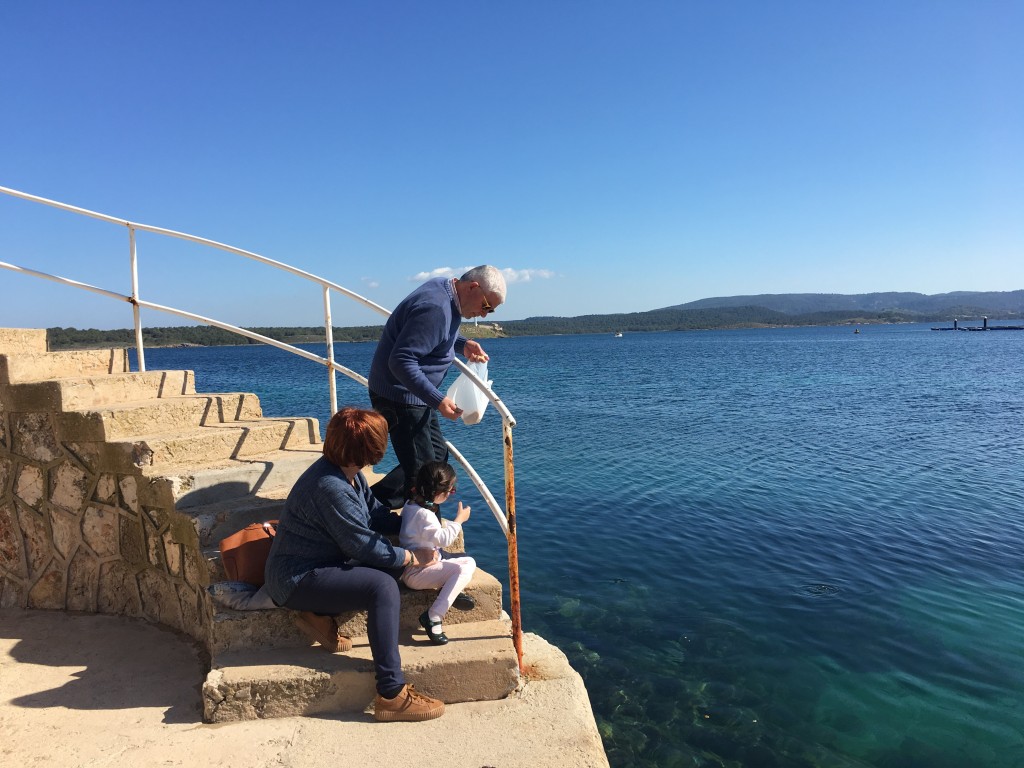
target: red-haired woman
330 556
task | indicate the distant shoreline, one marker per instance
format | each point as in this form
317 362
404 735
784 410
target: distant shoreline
97 344
771 311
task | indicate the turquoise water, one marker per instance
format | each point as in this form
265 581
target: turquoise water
790 547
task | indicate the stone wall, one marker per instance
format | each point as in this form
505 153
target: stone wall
74 537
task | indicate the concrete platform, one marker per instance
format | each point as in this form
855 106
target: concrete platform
81 690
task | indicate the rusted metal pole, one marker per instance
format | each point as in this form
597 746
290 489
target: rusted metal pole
513 546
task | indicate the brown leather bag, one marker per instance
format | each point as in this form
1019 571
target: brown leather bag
245 552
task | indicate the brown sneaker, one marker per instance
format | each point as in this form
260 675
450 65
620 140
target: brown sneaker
408 705
323 630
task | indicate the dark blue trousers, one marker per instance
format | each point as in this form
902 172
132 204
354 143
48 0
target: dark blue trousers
416 438
333 590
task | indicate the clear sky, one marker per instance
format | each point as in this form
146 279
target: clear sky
610 155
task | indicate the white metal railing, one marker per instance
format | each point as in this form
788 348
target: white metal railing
326 285
506 519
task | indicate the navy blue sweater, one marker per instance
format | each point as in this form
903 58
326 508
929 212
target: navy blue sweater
418 345
326 522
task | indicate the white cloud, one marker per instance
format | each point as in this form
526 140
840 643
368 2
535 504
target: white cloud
370 282
526 275
419 277
511 275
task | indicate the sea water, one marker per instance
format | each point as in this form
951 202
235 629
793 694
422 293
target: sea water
784 547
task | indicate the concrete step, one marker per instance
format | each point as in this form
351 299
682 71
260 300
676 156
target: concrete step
17 341
40 366
224 516
166 414
478 664
217 520
93 391
188 486
202 445
236 631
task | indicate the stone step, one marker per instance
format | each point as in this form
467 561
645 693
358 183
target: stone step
191 485
17 341
217 520
478 664
214 521
40 366
235 631
93 391
200 445
166 414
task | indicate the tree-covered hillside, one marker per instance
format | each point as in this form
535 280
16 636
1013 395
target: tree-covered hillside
980 302
699 319
208 336
771 310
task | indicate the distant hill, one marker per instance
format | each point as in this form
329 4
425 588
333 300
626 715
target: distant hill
787 309
962 302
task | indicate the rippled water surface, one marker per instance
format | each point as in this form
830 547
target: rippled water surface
797 547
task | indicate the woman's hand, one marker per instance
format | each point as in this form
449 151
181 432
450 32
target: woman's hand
462 515
421 557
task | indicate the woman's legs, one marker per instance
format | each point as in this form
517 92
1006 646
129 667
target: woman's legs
357 588
451 575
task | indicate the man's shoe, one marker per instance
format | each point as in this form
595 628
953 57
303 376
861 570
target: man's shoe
434 631
323 630
464 602
408 705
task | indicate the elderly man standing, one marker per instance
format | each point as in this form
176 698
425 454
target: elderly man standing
416 349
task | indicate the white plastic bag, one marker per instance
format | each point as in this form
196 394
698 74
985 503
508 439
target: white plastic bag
467 396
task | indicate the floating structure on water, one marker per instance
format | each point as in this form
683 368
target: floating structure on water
984 327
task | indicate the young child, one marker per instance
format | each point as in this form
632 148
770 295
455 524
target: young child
421 529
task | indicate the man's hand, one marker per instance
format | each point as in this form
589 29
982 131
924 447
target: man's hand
449 410
474 352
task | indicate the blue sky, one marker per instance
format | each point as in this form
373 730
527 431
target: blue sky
611 156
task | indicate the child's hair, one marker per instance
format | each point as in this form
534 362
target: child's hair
434 477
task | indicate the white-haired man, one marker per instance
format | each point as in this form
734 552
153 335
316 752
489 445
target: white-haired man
417 347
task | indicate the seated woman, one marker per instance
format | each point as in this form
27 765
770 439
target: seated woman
330 555
421 528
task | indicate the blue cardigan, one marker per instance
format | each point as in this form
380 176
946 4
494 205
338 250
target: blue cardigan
327 522
418 345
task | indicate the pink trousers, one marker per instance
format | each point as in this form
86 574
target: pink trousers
450 575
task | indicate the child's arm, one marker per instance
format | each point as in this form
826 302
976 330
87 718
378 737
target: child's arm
429 531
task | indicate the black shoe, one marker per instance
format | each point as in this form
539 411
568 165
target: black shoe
464 602
437 638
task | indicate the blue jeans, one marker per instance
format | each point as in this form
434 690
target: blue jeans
416 439
336 589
